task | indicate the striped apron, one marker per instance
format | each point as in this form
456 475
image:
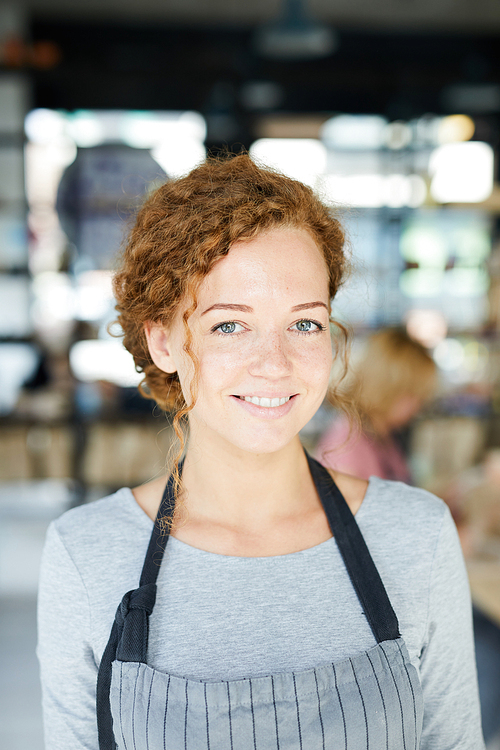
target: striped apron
371 701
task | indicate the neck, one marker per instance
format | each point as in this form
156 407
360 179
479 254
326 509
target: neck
243 490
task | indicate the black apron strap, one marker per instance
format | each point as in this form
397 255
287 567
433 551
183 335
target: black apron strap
359 563
160 533
128 640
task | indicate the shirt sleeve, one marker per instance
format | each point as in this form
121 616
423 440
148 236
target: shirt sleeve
448 668
67 665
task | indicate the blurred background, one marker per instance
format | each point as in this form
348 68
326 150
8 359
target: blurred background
391 110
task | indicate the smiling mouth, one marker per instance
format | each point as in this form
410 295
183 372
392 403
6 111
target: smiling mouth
267 403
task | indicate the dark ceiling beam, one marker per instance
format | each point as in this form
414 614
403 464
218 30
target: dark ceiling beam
110 66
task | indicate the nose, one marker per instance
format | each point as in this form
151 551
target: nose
271 358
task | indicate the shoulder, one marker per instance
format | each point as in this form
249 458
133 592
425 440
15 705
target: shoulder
402 521
97 528
99 546
84 518
389 503
406 530
93 554
401 500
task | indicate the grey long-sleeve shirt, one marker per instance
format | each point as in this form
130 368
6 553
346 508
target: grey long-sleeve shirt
220 617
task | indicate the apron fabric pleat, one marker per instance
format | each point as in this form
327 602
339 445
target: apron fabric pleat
367 701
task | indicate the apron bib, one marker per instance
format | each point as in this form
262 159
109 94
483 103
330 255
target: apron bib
372 700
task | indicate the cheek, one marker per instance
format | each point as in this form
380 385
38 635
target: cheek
228 353
218 366
413 406
315 362
404 409
214 359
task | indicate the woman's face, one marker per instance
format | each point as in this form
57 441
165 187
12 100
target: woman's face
261 336
402 411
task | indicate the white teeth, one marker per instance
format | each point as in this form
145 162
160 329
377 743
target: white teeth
267 402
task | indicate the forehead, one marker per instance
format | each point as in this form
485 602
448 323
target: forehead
284 261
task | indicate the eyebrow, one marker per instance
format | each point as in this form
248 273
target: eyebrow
247 309
309 306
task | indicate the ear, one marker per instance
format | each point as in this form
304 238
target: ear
158 339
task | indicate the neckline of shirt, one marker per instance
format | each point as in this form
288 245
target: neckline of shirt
187 548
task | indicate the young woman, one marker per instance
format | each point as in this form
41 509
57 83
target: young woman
389 385
263 602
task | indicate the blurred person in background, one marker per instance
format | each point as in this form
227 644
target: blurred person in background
388 386
263 601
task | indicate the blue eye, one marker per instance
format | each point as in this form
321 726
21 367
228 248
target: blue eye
308 326
304 325
226 329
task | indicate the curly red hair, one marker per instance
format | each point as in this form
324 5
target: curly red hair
185 227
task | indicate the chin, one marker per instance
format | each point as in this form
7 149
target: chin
258 443
265 448
252 437
266 444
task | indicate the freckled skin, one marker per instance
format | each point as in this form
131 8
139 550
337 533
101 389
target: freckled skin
247 486
266 355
